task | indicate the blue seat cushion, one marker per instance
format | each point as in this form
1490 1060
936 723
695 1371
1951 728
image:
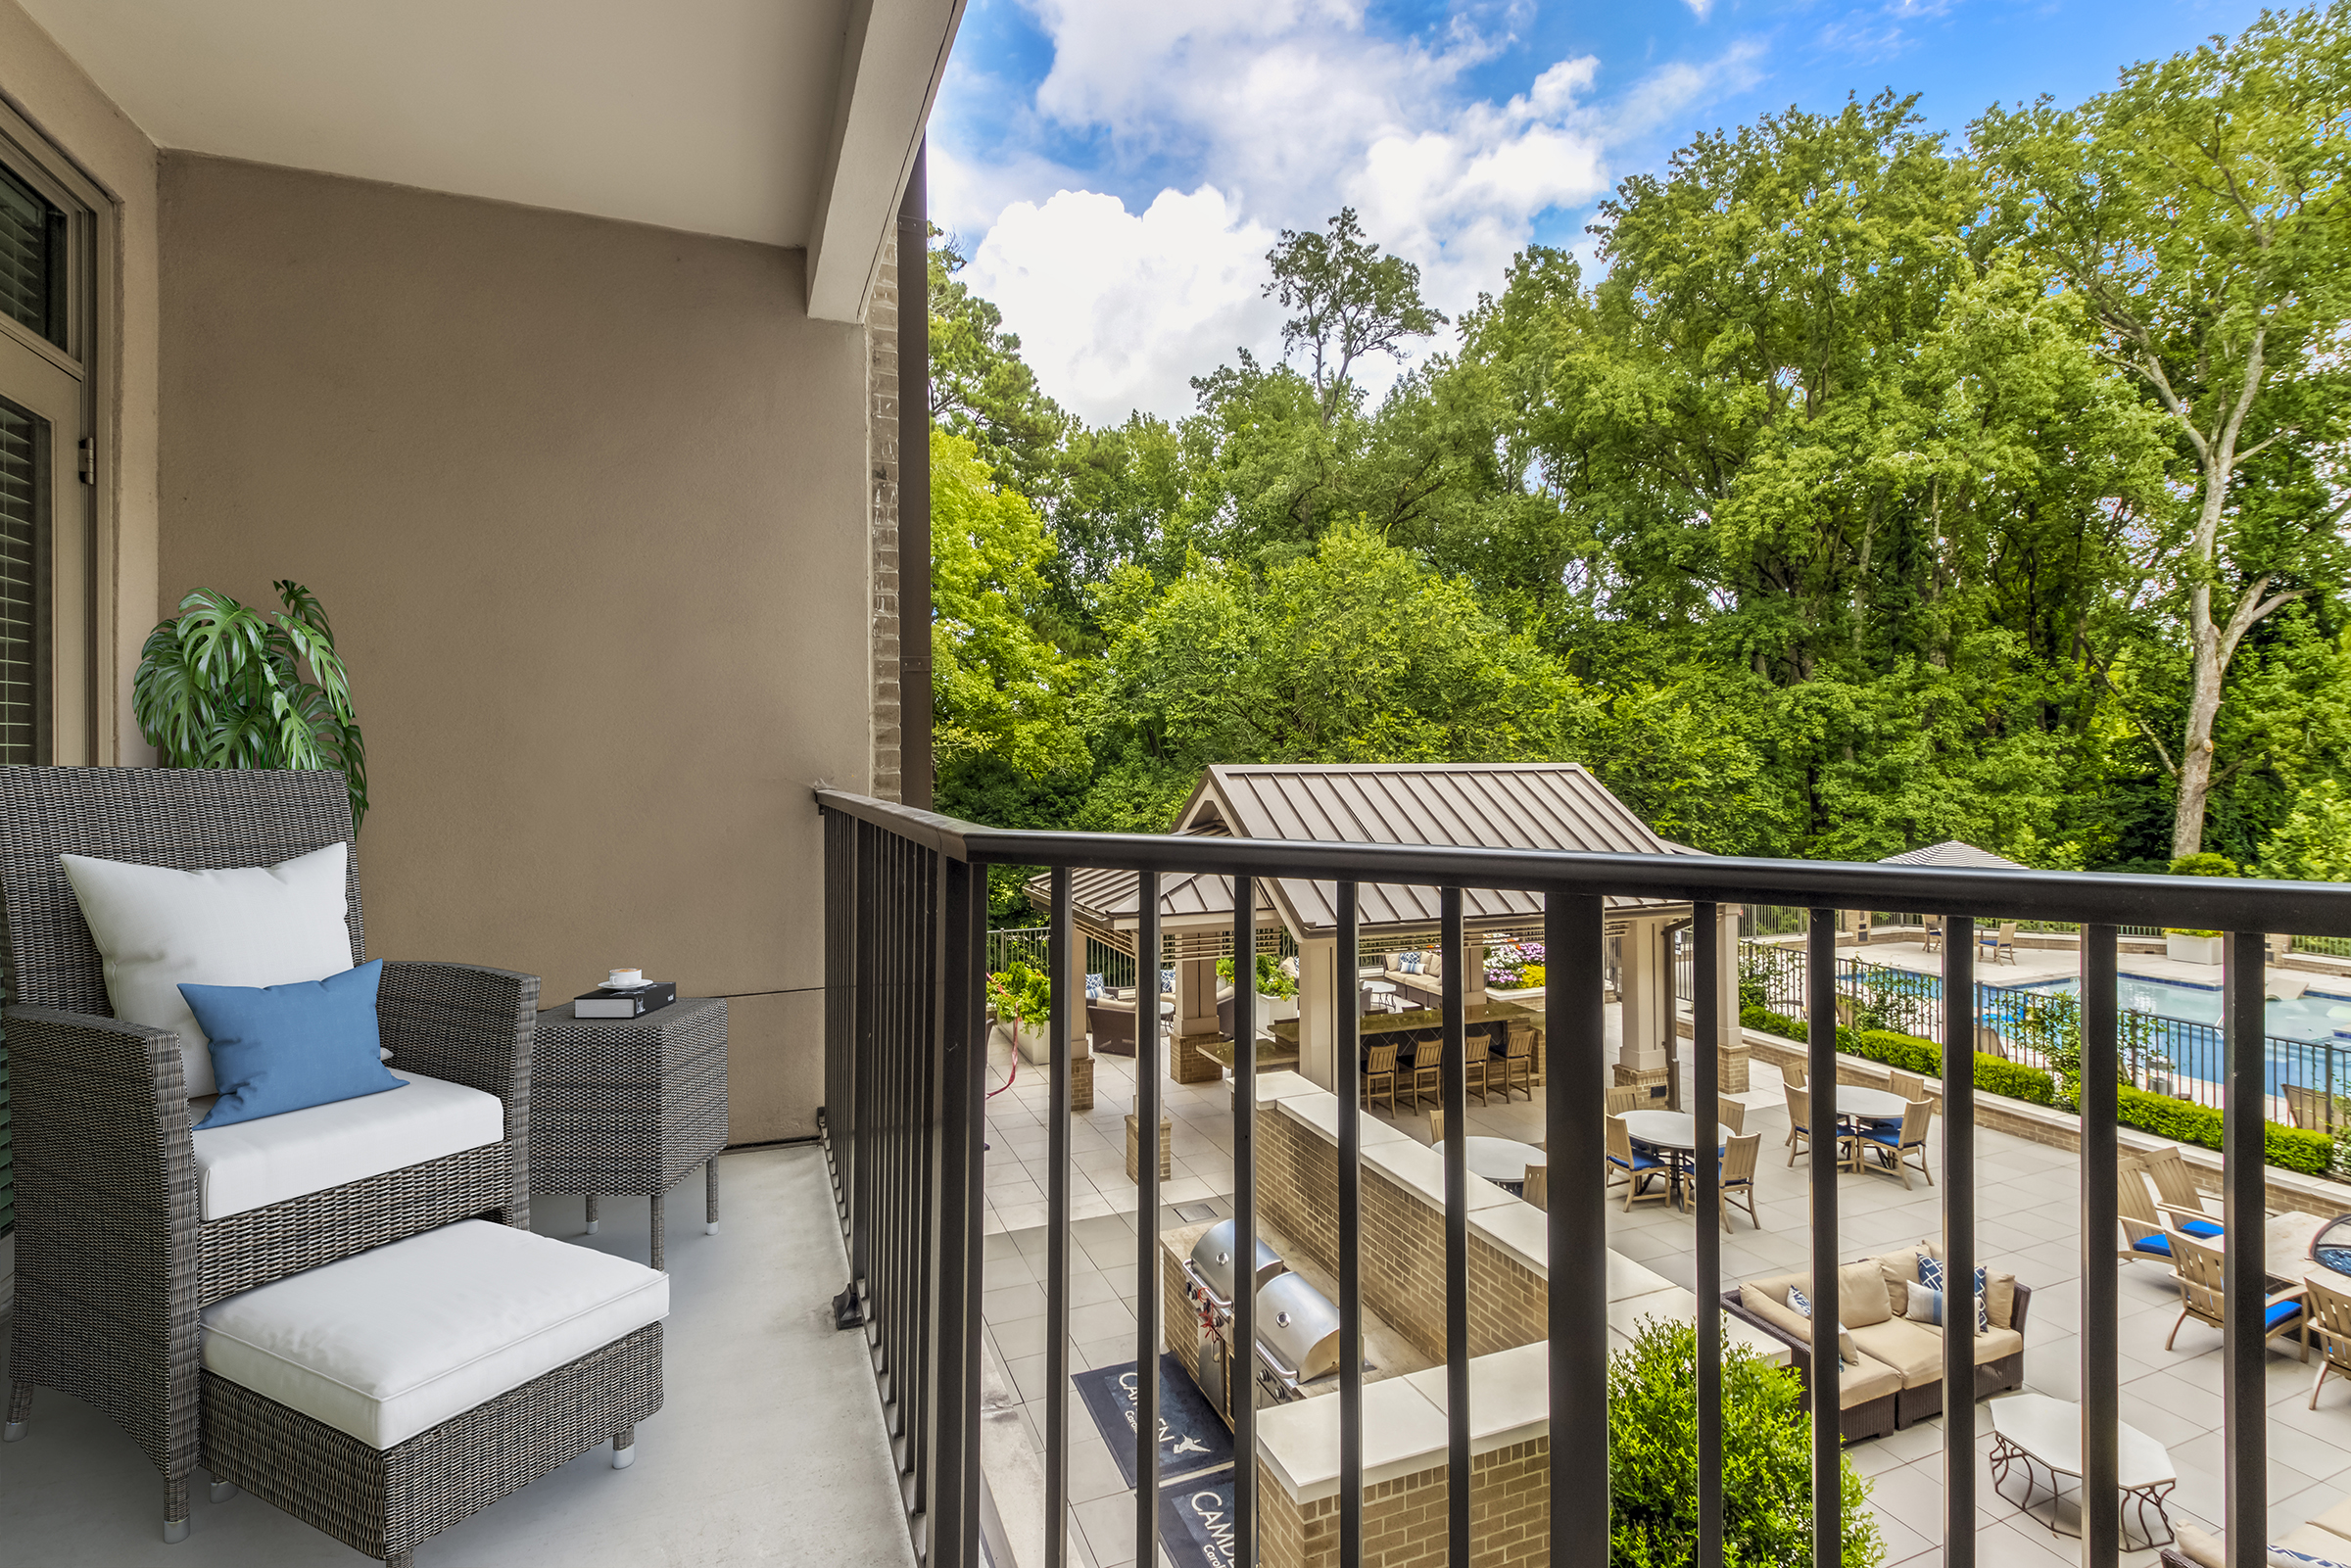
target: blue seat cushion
1889 1135
2202 1229
1640 1162
279 1048
2159 1246
2280 1312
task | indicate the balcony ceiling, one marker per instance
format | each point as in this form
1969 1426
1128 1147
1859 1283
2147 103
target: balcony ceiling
787 122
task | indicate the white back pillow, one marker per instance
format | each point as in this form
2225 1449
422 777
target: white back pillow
156 927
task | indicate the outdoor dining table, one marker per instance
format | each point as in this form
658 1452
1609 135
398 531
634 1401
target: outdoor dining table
1673 1134
1504 1162
1859 1103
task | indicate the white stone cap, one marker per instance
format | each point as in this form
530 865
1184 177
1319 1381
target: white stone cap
1299 1441
1283 1085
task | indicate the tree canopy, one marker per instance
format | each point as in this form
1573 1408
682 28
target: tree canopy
1871 491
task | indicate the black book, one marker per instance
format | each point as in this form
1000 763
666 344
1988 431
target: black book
605 1002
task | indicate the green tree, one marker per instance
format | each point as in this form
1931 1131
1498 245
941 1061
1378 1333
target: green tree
2199 208
2314 844
1350 301
983 390
999 688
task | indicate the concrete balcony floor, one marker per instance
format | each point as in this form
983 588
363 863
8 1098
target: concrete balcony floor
2028 1222
768 1447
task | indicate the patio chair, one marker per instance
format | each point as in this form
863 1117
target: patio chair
2330 1331
115 1254
1738 1176
1730 1113
2143 1232
1932 940
2204 1295
1628 1098
1989 1043
1909 1085
1379 1076
2177 1196
1474 1068
1436 1128
2307 1106
1631 1167
1518 1061
1800 1122
2002 942
1793 1074
1537 1188
1428 1062
1896 1146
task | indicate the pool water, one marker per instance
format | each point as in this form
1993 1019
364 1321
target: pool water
2313 1015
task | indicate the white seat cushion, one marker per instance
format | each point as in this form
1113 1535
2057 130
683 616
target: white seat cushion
399 1338
251 1165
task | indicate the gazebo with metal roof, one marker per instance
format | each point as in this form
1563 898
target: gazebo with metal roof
1536 805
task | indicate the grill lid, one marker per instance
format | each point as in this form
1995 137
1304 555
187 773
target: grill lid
1299 1326
1211 1259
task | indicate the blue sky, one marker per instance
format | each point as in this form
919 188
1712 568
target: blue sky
1116 168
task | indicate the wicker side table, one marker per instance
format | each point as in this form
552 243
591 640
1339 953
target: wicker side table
630 1105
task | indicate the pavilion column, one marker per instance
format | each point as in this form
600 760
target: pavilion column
1641 994
1317 1008
1081 1042
1732 1045
1196 1022
1473 972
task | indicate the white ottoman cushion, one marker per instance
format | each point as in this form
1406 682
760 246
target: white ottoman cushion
399 1338
249 1165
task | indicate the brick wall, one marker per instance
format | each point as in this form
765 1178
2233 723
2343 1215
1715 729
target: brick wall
882 444
1402 1246
1405 1521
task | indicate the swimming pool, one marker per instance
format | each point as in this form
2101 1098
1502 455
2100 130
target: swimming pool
2314 1015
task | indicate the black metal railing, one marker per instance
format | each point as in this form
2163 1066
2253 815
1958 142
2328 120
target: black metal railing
906 951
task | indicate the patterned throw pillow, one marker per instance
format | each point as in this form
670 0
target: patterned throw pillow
1930 1276
1802 1305
2288 1557
1093 987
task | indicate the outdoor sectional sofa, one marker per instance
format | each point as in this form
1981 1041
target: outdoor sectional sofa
1893 1375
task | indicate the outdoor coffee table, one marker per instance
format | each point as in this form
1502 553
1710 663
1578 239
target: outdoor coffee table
1673 1134
630 1105
2034 1430
1505 1161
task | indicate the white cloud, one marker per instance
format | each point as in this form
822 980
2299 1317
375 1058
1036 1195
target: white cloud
1702 9
1117 309
1280 110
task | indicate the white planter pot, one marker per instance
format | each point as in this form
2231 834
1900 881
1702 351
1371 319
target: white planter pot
2193 949
1274 1008
1034 1046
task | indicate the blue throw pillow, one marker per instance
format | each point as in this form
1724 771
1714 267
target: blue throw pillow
1093 987
279 1048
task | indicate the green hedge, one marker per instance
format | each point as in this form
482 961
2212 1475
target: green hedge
2291 1148
2181 1121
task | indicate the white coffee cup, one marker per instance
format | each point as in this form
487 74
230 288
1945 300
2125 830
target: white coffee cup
624 977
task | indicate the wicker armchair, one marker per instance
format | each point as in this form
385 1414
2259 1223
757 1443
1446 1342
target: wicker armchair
113 1259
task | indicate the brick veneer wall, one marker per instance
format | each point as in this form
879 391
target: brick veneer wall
1404 1519
1403 1244
882 445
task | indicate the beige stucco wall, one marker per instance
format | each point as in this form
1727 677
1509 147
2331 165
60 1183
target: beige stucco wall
588 503
44 85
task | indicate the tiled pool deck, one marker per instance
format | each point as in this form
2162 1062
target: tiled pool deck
2028 1207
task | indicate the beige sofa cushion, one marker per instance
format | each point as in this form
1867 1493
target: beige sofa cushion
1863 1380
1780 1316
2336 1519
1861 1298
1995 1342
1910 1349
2197 1546
2314 1542
1900 1269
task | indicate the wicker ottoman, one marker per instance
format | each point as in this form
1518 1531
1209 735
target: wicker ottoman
630 1105
385 1398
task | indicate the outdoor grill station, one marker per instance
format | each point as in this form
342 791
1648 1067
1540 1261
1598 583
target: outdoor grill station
1297 1326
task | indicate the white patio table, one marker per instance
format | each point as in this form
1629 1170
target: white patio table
2033 1429
1502 1160
1673 1134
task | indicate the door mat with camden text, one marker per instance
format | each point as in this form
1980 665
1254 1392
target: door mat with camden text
1195 1521
1192 1438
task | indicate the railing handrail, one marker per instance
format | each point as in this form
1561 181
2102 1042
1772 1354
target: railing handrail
2242 904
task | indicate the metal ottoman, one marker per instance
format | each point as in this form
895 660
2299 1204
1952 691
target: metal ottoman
385 1398
630 1105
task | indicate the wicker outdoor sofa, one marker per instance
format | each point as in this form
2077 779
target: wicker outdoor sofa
113 1259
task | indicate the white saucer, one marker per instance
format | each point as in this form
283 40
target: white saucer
632 985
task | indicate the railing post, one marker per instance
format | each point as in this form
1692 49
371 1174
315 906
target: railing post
1347 1052
954 1516
1576 956
1828 1448
1057 1229
1146 1233
1456 1097
2101 1217
1958 1237
1705 1026
2244 1438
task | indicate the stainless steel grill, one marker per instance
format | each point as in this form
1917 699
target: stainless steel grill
1297 1330
1211 1266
